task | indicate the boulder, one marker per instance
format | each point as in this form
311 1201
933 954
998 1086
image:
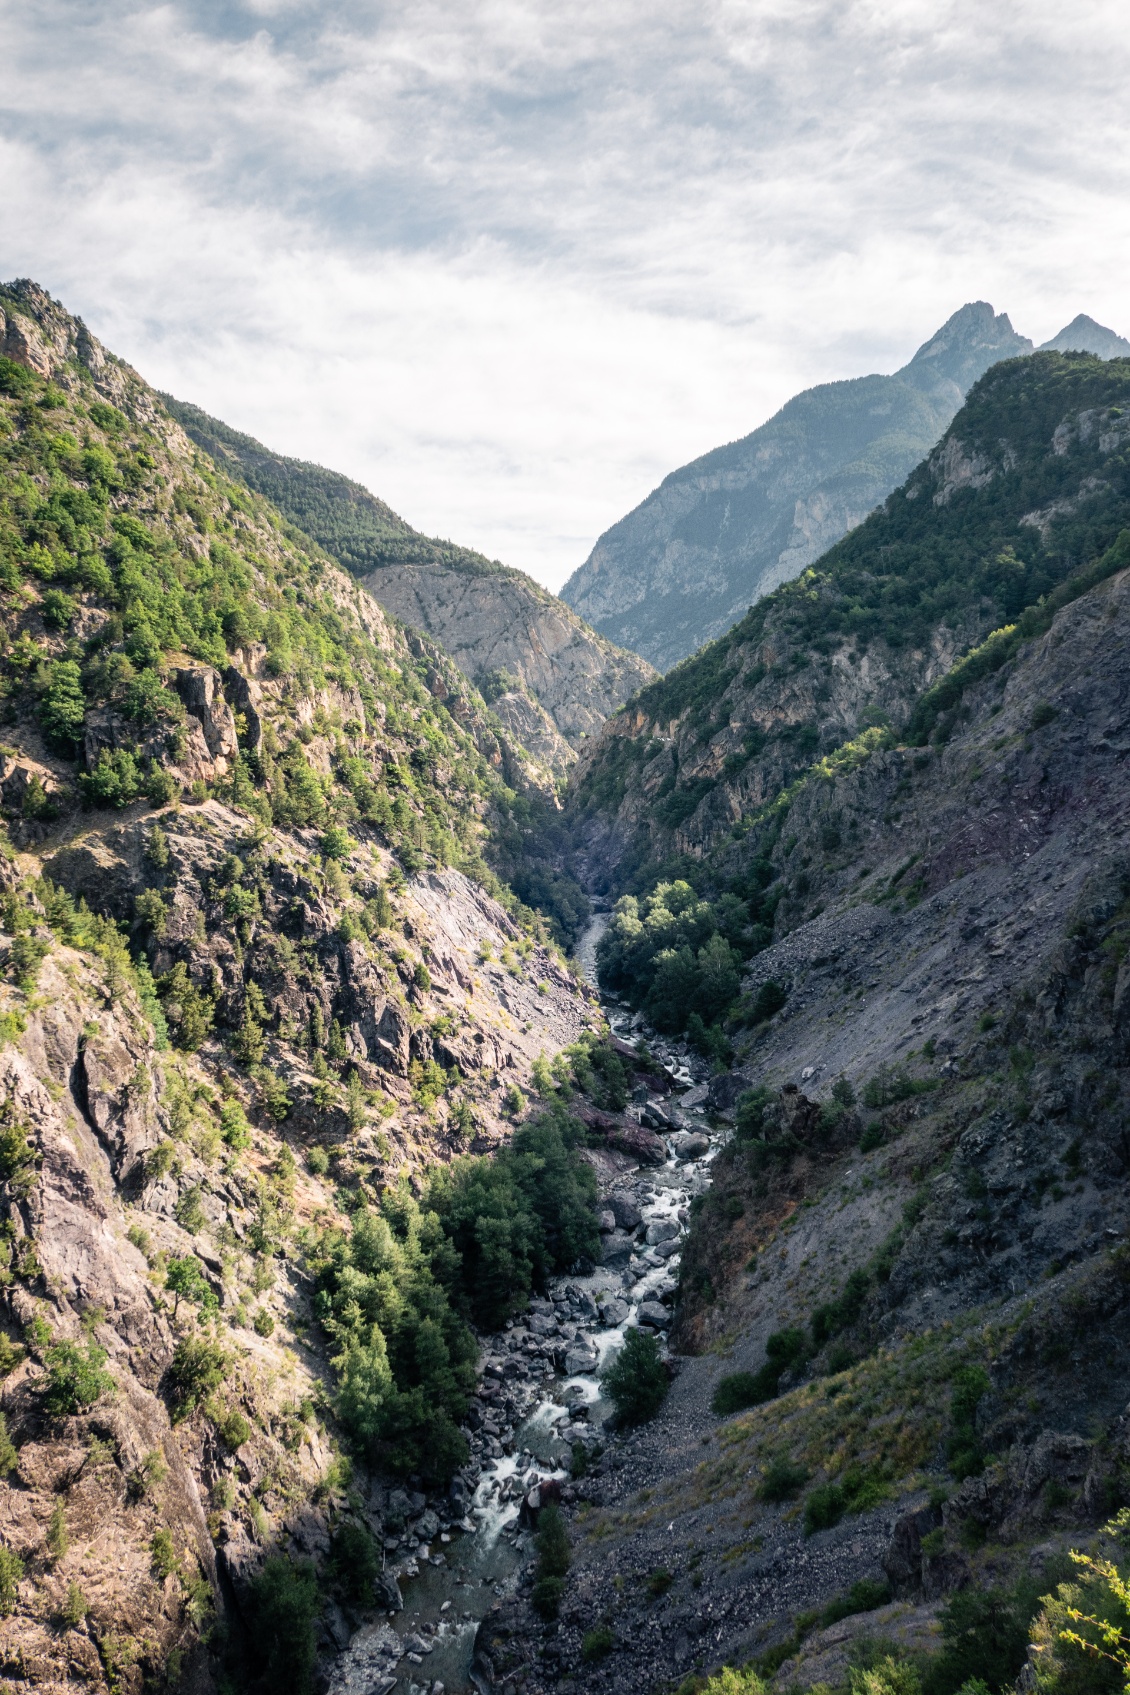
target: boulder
580 1361
616 1250
640 1144
625 1211
386 1593
689 1144
662 1230
606 1222
614 1312
652 1314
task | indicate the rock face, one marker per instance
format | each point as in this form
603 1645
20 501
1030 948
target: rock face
525 647
721 532
550 680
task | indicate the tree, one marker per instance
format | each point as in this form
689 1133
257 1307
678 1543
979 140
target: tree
186 1277
75 1379
62 705
636 1382
283 1607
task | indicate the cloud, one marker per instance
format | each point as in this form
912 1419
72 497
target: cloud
510 262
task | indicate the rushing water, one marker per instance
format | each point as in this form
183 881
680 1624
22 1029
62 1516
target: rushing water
450 1583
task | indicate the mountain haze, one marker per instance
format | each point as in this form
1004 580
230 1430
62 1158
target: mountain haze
726 529
550 679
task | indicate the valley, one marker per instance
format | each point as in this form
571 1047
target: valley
520 1174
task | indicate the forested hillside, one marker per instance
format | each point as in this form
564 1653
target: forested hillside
550 679
258 974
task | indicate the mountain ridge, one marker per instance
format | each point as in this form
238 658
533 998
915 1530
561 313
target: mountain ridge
733 524
551 680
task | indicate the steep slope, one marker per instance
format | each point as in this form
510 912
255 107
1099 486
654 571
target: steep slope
1028 485
1083 335
910 1281
721 532
550 679
256 976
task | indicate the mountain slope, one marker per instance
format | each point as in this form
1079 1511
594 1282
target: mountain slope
1029 484
720 532
1083 335
255 976
910 1281
551 680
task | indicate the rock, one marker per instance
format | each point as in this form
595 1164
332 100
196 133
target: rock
616 1249
427 1526
625 1211
662 1230
386 1593
579 1362
614 1312
640 1144
654 1315
606 1222
689 1144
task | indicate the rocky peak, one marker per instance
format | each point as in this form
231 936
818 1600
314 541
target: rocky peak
966 345
1083 335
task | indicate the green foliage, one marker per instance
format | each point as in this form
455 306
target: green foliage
863 1597
11 1573
186 1277
595 1644
553 1561
636 1381
517 1219
74 1608
16 380
963 1449
783 1480
741 1389
8 1454
195 1371
355 1561
985 1636
187 1008
62 705
855 1492
75 1378
673 953
283 1610
599 1072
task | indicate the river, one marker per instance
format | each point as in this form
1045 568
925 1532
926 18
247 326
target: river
539 1409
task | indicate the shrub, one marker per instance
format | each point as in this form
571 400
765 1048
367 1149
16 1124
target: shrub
554 1558
888 1677
336 843
595 1644
783 1480
263 1323
74 1608
57 1538
824 1507
863 1597
75 1379
196 1369
545 1596
735 1392
963 1449
11 1571
636 1382
8 1454
283 1607
186 1277
354 1561
163 1555
114 779
231 1426
62 706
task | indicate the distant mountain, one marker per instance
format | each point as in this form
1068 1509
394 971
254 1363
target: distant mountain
1083 335
548 677
728 528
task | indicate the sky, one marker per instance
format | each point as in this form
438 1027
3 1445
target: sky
509 263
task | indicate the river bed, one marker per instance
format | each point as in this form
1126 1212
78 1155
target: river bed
539 1414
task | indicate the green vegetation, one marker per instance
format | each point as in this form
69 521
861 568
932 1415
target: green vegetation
195 1370
75 1378
636 1381
283 1611
679 957
395 1292
11 1572
553 1562
355 1561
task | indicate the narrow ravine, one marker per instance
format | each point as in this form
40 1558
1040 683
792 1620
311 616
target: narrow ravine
539 1409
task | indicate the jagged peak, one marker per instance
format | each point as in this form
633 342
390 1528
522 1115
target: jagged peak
974 338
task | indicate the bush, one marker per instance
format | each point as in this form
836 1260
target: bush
863 1597
354 1561
783 1480
114 780
196 1369
11 1571
636 1382
283 1607
62 706
824 1507
231 1426
545 1596
8 1454
186 1277
75 1379
740 1389
595 1644
963 1449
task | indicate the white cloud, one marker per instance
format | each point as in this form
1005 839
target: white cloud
510 262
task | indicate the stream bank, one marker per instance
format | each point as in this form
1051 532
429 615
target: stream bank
539 1413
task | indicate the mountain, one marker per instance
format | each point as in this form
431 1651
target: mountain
1027 486
729 527
550 679
256 974
1083 335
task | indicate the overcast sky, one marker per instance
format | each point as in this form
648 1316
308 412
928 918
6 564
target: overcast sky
508 262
